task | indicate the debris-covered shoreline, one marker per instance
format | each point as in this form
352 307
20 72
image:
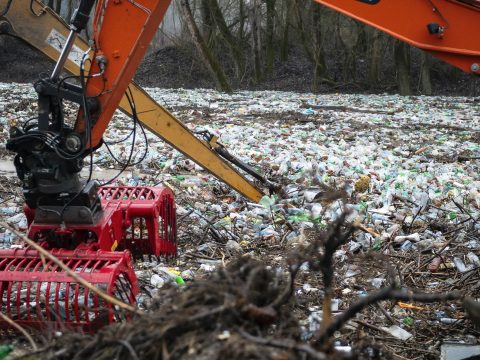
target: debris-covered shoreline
406 169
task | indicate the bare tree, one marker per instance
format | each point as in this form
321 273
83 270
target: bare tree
58 6
208 24
309 23
348 32
206 55
402 63
241 20
375 54
255 16
287 11
426 81
233 44
270 55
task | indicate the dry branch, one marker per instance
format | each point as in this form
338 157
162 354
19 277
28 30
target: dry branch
389 293
21 330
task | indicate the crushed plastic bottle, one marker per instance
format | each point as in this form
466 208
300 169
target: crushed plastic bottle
5 350
406 246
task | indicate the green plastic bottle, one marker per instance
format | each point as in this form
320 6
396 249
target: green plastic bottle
5 350
178 279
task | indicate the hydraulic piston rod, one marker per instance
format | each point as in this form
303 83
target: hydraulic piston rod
78 23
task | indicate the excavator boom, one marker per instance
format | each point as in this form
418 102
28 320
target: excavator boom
448 29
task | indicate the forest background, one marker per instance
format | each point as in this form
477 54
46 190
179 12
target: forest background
295 45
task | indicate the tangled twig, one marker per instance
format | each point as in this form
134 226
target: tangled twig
20 329
389 293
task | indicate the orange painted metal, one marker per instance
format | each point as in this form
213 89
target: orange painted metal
123 29
407 20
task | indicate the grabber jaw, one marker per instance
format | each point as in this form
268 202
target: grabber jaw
150 224
35 292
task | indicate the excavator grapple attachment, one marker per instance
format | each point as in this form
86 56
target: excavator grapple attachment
36 292
150 225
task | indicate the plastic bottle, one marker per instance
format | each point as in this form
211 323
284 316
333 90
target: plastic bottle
179 280
5 350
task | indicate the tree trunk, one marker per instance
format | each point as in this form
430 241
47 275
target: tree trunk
232 42
320 66
256 39
286 27
349 35
207 21
311 38
375 58
303 33
269 54
241 22
58 6
425 74
206 55
402 63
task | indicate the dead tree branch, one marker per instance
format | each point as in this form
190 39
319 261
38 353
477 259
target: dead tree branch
390 293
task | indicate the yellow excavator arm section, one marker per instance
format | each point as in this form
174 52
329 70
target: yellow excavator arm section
43 29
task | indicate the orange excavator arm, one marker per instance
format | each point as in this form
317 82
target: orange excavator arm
120 49
448 29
